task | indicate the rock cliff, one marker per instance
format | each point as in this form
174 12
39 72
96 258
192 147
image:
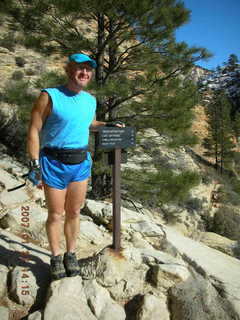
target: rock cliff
158 274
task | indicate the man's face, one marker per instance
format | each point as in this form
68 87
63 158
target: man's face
80 73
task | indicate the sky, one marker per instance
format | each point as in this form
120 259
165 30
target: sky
214 25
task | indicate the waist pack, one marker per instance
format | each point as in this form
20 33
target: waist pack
67 156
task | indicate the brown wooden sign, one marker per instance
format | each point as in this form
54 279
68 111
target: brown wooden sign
115 139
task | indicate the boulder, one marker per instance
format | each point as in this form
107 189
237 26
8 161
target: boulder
152 307
30 274
3 280
120 275
147 229
166 275
139 242
131 221
215 241
37 315
91 231
220 269
100 302
27 217
67 301
198 299
23 287
153 256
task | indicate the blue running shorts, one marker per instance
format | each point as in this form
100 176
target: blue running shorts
58 175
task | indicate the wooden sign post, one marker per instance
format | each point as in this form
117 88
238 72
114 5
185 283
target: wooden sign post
116 139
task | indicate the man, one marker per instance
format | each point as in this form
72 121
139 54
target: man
57 145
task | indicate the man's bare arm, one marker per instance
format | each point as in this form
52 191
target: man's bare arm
96 124
39 113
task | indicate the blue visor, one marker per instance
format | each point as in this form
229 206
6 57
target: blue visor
80 58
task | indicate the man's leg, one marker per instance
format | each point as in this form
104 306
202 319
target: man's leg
75 198
55 200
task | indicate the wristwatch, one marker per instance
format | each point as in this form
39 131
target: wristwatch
34 163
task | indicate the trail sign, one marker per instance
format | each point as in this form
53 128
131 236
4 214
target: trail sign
114 137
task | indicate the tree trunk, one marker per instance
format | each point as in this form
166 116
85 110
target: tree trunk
100 180
216 135
222 139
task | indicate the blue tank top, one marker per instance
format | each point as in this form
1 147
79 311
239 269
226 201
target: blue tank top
68 124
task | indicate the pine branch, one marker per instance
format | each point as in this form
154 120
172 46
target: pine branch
120 101
61 43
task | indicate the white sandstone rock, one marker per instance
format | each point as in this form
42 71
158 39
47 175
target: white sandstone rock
100 302
153 308
67 301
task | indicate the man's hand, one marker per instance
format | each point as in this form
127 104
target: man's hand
116 123
95 125
34 174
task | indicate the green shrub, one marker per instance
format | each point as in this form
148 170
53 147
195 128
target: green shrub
195 204
50 79
14 134
206 179
236 250
235 183
229 192
20 62
8 41
17 93
226 222
154 189
17 75
30 72
236 158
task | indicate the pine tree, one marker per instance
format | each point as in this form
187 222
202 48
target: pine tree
232 62
136 53
236 126
154 189
219 142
